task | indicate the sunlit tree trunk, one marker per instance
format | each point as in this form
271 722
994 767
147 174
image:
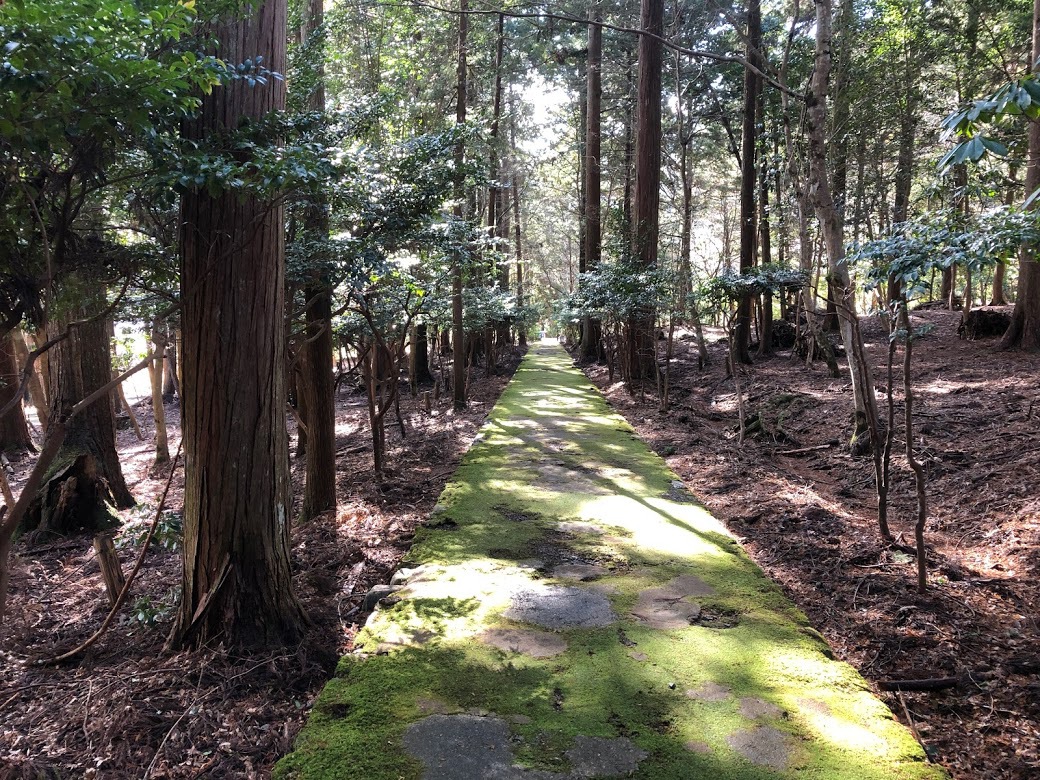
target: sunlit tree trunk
831 223
748 180
14 431
36 390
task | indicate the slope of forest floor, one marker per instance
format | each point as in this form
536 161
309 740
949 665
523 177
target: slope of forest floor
805 510
130 710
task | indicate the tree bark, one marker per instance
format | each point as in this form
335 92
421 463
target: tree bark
14 431
237 580
155 375
831 222
591 339
748 180
315 381
641 343
1024 331
86 473
457 334
522 329
36 392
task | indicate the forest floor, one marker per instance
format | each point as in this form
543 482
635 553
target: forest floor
128 709
805 510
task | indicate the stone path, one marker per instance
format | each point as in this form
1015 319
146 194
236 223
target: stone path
569 611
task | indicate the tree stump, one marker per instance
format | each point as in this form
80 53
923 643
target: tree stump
111 570
985 322
74 497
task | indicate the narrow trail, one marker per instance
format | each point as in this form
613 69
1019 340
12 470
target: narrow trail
569 611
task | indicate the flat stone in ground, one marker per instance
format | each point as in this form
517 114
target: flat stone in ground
750 707
709 691
536 644
583 572
560 606
578 527
602 757
475 747
659 608
762 745
466 747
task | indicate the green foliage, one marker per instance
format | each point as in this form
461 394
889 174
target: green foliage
618 290
1018 98
720 294
169 531
913 250
146 612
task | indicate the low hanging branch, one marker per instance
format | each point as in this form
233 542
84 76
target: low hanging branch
121 598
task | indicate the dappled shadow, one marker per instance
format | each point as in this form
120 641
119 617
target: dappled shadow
554 468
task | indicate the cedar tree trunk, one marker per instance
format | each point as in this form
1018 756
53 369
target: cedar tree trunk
641 360
236 586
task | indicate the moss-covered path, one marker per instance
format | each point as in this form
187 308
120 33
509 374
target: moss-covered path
569 611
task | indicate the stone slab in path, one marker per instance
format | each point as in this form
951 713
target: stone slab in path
571 612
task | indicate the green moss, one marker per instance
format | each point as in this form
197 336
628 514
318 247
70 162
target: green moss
552 451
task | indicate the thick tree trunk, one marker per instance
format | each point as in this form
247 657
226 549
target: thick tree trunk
591 339
86 473
420 356
641 343
1024 331
237 580
14 431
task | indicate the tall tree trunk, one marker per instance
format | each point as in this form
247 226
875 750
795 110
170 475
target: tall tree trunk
686 208
237 579
641 359
155 376
591 339
14 431
36 392
458 339
1024 331
1000 269
316 382
831 222
171 385
419 357
765 338
748 180
520 301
